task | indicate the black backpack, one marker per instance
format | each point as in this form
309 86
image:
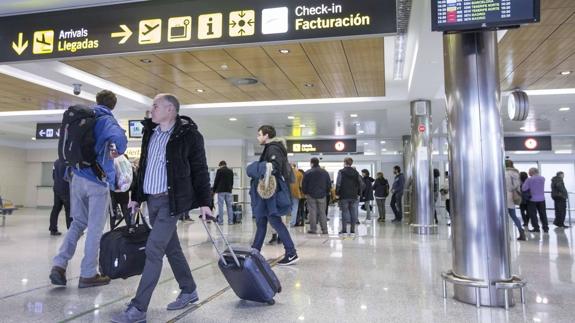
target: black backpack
76 146
386 188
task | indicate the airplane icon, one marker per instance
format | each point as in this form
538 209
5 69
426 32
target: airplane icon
43 40
149 29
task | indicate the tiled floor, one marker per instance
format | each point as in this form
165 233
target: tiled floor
384 274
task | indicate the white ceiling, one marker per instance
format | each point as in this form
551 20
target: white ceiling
379 118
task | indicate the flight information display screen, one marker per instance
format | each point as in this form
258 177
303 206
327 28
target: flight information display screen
461 15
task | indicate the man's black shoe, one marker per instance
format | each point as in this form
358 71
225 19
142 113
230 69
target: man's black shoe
55 233
273 239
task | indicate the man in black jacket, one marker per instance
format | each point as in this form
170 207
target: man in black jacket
348 188
223 184
397 193
173 178
559 195
61 190
316 186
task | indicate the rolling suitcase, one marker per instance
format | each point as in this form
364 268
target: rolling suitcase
247 271
237 209
123 250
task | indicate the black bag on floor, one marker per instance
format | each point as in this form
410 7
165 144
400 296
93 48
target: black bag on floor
246 270
301 211
123 250
238 214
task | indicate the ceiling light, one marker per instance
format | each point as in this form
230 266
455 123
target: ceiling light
284 51
564 109
353 115
366 143
224 67
382 142
563 151
384 149
522 128
233 119
308 84
361 132
146 60
565 72
200 90
302 125
33 138
291 117
311 133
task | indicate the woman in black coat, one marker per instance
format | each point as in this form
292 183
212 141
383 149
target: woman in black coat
367 193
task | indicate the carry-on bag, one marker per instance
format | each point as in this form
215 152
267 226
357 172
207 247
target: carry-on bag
246 270
237 209
123 250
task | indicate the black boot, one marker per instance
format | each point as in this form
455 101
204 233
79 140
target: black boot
274 238
521 235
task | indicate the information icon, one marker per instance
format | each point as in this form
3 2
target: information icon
210 26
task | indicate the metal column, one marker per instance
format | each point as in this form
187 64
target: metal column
422 175
477 176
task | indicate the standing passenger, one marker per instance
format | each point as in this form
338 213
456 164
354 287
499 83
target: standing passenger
559 195
397 193
524 199
316 187
535 185
61 191
348 189
381 191
367 192
223 185
513 184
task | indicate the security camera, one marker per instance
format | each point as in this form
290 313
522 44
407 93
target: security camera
77 88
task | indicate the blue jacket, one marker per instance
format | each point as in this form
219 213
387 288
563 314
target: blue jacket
398 184
106 131
279 204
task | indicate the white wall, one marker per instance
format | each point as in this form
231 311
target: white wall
13 174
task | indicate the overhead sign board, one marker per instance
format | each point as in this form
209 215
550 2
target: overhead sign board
155 25
48 131
322 146
459 15
531 143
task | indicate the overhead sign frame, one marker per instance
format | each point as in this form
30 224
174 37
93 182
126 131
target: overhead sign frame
168 25
47 131
325 146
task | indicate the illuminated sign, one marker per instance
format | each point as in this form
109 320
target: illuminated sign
133 152
135 129
457 15
160 25
322 146
48 131
538 143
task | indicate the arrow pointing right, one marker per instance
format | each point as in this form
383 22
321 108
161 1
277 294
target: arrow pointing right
20 47
126 33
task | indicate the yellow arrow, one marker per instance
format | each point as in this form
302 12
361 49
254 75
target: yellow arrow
126 33
20 47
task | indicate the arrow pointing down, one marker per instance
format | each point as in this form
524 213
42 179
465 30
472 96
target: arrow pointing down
20 47
126 33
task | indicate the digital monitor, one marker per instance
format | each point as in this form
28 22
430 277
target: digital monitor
135 128
461 15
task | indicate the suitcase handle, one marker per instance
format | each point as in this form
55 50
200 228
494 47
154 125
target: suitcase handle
221 254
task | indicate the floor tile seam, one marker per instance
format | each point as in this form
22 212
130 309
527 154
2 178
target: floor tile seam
167 280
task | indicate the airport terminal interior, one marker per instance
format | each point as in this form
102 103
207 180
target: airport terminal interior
448 90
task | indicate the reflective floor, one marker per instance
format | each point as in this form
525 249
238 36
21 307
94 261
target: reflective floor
384 274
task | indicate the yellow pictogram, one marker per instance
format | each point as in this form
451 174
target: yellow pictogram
43 42
179 29
150 31
21 46
242 23
296 148
210 26
126 33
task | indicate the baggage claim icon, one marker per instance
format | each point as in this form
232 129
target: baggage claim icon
242 23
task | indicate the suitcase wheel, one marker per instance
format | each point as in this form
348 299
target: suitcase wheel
279 290
271 302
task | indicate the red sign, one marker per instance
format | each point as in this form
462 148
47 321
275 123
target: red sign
339 146
531 143
421 128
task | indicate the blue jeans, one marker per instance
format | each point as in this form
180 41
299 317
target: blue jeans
88 205
348 213
225 197
294 206
278 225
513 216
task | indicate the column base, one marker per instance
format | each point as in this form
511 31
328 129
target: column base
424 229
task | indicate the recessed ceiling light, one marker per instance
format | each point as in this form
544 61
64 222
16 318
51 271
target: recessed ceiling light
565 72
366 143
353 115
311 133
522 128
291 117
302 125
200 90
224 67
361 132
308 85
564 109
33 138
284 51
146 60
382 142
233 119
384 149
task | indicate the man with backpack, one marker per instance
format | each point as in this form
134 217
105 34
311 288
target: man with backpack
348 188
90 140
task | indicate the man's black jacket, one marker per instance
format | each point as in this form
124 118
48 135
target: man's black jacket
187 169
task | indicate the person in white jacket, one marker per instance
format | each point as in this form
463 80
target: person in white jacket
513 184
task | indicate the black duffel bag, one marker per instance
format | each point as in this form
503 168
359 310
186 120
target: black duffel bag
123 250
